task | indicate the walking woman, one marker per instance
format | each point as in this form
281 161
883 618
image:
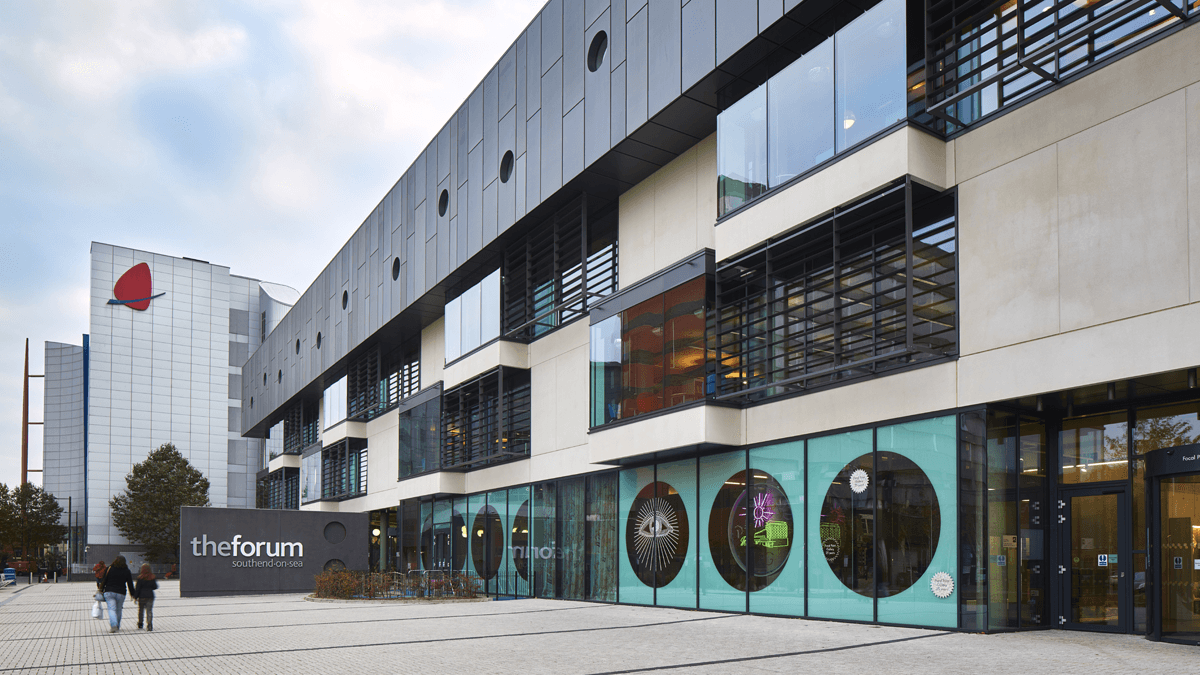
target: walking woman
116 579
146 585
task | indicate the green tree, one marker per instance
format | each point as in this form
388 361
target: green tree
8 522
31 516
147 512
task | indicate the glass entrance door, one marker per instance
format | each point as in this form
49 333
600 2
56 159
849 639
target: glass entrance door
1179 553
443 550
1095 568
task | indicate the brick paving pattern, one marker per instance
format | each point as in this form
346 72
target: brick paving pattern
47 628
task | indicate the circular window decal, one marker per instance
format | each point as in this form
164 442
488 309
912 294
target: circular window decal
487 542
760 517
519 544
656 534
901 537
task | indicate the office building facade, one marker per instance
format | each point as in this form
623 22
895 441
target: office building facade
865 311
161 364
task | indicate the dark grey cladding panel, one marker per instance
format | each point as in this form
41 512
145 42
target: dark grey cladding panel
455 261
519 188
506 71
789 5
443 234
699 53
431 193
632 7
443 152
769 11
616 128
616 38
599 97
551 131
533 161
460 140
475 117
475 201
431 261
490 119
210 570
506 197
522 105
574 53
664 55
636 70
420 252
533 68
451 182
489 211
552 42
737 24
572 143
463 210
593 10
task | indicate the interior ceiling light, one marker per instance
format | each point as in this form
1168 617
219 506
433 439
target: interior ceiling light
849 121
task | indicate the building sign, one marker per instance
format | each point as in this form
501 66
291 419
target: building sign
254 551
133 288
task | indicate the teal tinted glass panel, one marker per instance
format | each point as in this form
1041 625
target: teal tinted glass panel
871 73
571 518
543 540
775 507
518 540
475 533
632 590
917 522
602 536
498 500
458 534
441 512
722 578
426 535
676 514
844 543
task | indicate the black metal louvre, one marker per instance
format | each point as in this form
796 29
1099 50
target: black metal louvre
344 469
1005 50
300 428
486 420
362 384
375 385
546 283
869 288
283 489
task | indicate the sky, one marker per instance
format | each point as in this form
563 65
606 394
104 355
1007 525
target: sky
255 134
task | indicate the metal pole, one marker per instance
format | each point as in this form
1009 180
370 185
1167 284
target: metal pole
25 420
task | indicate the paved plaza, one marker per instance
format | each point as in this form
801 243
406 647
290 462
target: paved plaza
47 628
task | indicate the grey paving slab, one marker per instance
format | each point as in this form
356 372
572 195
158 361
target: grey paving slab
47 628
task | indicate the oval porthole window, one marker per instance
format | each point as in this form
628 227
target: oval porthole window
280 376
252 403
597 51
345 299
335 532
750 531
264 379
395 269
297 345
506 167
318 340
443 203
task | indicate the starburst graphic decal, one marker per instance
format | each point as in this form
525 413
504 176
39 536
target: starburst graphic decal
762 508
657 534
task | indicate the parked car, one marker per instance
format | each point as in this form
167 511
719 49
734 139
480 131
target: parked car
24 566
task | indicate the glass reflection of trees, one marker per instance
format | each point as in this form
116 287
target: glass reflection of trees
750 530
894 522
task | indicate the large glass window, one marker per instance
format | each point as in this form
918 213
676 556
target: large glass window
333 404
602 537
473 318
774 510
651 356
310 477
1094 448
486 420
871 73
420 437
839 94
344 469
800 115
722 530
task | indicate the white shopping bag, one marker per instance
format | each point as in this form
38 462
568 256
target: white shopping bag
96 610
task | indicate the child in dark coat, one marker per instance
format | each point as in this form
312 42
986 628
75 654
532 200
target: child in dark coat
146 585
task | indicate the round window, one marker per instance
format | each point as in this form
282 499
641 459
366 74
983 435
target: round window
656 534
443 203
759 518
506 166
297 345
487 542
597 51
345 299
395 269
901 537
318 340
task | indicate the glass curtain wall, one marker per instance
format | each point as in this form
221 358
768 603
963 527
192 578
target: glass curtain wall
473 318
774 511
839 94
420 438
651 356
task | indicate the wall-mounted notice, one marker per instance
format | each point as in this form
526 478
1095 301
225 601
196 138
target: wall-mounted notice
1102 560
1010 541
1196 563
1178 562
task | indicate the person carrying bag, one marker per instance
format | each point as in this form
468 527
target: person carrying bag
116 579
